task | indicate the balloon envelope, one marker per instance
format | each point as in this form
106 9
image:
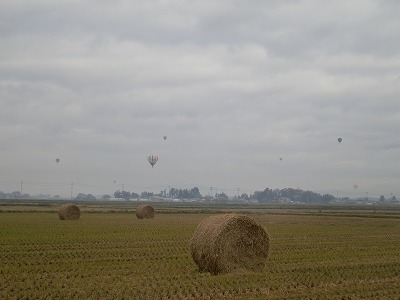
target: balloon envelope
57 160
152 159
339 140
164 137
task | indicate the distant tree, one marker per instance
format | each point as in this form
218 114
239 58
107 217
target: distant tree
162 193
126 195
307 197
15 194
195 193
181 194
382 198
327 198
244 196
118 194
295 195
82 196
266 196
173 193
106 197
221 197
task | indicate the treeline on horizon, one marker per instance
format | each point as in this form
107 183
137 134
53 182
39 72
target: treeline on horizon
266 196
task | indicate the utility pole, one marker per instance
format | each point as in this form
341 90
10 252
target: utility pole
72 189
211 189
238 189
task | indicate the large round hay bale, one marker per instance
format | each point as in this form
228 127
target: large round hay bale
69 212
230 242
145 211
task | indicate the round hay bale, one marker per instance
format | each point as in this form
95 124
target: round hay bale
145 211
69 212
228 243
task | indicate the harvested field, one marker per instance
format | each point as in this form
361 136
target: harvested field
115 256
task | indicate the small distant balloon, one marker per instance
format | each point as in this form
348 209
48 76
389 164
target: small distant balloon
115 181
152 159
280 158
339 140
355 186
164 137
57 160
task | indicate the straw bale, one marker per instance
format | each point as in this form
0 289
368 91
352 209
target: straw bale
69 212
230 243
145 211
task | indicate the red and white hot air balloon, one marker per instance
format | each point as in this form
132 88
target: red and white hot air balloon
152 159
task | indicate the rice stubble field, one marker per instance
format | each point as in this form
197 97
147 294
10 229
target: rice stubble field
114 255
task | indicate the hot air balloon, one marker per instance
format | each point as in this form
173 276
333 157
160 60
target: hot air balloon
164 137
115 181
57 160
152 159
355 186
280 158
339 140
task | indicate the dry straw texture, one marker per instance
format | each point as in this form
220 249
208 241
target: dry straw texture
145 212
69 212
228 243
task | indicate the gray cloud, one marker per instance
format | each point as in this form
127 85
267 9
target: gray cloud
233 85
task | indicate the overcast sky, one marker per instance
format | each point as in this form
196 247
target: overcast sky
234 85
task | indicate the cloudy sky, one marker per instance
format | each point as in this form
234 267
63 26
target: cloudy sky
234 85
